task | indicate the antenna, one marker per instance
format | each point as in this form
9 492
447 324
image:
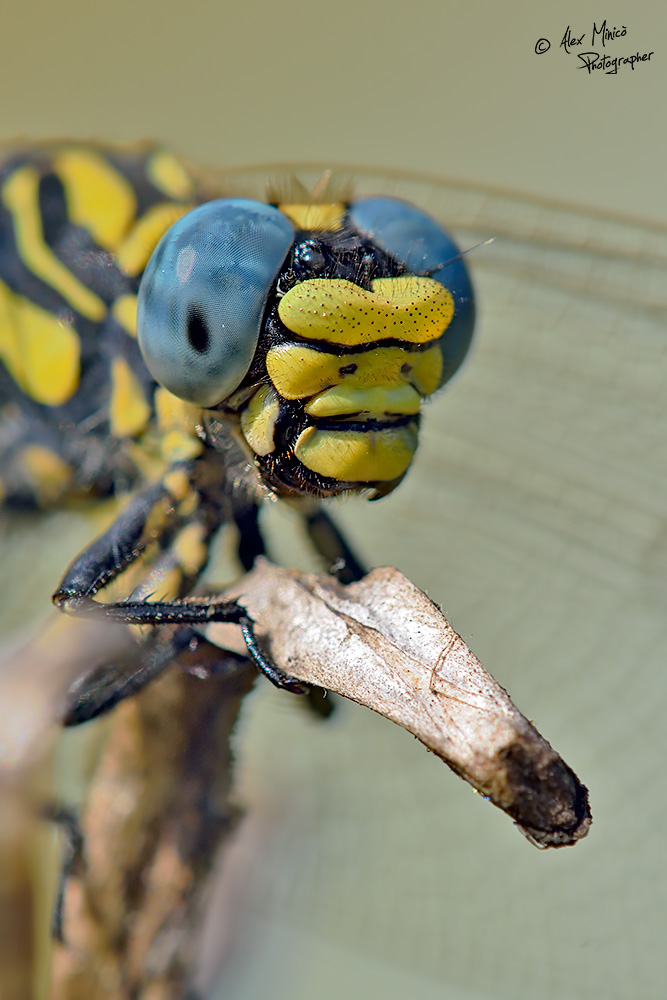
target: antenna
459 255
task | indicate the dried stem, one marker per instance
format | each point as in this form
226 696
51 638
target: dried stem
158 810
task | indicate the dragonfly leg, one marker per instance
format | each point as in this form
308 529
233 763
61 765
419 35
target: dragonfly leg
328 540
72 859
99 690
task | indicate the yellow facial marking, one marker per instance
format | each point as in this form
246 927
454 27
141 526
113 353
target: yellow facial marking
41 353
168 174
298 372
414 310
258 420
132 255
98 198
344 400
124 310
50 476
358 456
20 195
327 217
190 549
129 411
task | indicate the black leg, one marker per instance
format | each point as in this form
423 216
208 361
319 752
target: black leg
328 540
153 518
189 611
276 676
251 544
102 688
72 857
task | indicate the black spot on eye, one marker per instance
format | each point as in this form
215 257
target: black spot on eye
406 369
198 333
347 369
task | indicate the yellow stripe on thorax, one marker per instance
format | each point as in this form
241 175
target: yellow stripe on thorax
129 411
190 548
41 353
20 195
132 255
177 422
124 311
168 174
98 197
49 475
412 309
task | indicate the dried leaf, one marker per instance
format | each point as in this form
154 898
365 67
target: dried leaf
382 643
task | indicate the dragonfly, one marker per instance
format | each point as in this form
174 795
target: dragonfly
534 512
280 347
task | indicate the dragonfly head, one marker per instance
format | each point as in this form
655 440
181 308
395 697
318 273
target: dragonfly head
318 329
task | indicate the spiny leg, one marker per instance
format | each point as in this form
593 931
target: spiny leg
190 611
102 688
163 516
154 518
246 517
71 860
328 540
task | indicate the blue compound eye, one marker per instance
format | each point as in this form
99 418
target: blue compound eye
419 243
203 294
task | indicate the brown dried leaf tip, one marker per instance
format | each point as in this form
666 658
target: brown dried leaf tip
382 643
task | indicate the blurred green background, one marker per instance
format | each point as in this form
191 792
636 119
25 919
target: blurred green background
535 511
